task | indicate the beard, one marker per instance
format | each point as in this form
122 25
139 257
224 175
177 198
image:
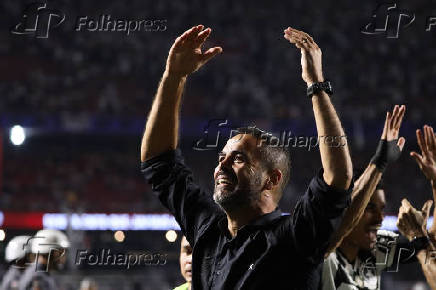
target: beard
238 196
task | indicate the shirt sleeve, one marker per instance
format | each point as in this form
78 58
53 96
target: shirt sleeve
172 181
317 216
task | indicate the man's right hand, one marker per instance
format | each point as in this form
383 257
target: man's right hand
185 56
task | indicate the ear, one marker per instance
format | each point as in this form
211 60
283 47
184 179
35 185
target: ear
275 176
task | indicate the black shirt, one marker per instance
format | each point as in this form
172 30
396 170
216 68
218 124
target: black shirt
275 251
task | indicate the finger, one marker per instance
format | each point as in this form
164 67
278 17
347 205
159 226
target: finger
399 120
385 127
394 117
300 33
211 52
297 36
406 204
181 39
401 212
421 141
401 143
292 37
431 139
417 157
427 137
298 42
202 36
426 208
194 32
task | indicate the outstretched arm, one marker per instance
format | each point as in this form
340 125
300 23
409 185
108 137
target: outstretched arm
185 57
388 150
336 160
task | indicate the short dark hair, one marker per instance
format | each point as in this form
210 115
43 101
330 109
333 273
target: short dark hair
272 156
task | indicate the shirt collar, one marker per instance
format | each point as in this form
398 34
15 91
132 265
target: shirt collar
263 220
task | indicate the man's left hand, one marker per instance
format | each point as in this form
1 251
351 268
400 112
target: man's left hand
311 63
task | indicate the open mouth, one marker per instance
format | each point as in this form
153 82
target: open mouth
223 180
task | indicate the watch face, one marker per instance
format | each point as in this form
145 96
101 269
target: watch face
327 87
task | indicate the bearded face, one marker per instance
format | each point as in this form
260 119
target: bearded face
239 174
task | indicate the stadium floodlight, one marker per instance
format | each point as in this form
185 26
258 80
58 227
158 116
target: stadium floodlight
171 236
17 135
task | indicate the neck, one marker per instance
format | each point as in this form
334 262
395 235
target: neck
349 250
243 216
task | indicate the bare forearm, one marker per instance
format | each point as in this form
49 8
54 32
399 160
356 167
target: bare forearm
364 187
426 259
161 129
333 146
432 230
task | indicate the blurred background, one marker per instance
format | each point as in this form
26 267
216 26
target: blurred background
73 107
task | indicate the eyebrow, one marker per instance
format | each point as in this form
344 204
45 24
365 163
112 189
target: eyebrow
234 153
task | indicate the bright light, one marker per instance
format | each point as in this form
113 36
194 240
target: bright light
2 235
171 236
17 135
119 236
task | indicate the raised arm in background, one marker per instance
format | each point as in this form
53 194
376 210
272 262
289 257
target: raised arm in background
185 57
427 163
388 150
336 160
413 224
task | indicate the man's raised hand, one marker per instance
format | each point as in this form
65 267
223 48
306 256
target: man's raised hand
427 159
186 55
390 146
392 126
311 61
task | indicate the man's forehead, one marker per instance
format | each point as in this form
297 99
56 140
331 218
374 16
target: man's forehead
241 142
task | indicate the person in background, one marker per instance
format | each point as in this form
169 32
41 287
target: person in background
185 260
49 247
358 249
88 284
17 254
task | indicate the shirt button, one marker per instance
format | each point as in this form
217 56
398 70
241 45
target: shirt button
218 272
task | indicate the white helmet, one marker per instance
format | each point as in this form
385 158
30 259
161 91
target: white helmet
17 248
45 240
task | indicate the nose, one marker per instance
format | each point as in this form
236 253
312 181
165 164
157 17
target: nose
226 163
189 259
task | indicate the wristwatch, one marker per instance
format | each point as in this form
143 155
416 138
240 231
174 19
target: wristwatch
325 86
420 243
